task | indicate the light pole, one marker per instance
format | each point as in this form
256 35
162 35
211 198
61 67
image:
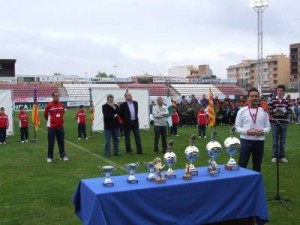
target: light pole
115 67
259 6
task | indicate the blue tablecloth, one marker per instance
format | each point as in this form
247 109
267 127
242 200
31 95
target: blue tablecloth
204 199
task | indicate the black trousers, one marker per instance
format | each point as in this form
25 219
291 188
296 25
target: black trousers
160 131
2 134
81 131
59 134
24 133
134 127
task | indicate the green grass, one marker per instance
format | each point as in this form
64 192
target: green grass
34 192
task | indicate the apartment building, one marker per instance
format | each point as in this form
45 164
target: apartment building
295 62
275 70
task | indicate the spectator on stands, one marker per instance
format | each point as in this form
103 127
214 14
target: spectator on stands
81 123
204 101
4 123
193 100
23 124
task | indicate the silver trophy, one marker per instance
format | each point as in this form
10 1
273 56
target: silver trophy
232 146
150 167
159 170
213 149
131 167
108 170
170 159
192 154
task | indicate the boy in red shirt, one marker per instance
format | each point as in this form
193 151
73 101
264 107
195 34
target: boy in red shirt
202 122
23 124
175 122
4 123
81 121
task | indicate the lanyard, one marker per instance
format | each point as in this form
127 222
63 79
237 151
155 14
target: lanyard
253 116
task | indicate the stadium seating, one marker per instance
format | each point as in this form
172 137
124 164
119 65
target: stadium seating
196 89
231 89
82 90
154 89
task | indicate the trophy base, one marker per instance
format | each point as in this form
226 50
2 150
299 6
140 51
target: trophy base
151 179
108 184
160 180
132 181
213 172
194 172
187 176
170 176
229 167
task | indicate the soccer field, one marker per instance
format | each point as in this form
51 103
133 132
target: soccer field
35 192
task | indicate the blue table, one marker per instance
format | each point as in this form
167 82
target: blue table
204 199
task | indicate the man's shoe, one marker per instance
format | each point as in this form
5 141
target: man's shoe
64 158
22 142
284 160
49 160
26 141
141 153
274 160
117 154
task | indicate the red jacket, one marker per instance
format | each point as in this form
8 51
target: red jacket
80 117
201 118
23 119
54 114
4 123
175 117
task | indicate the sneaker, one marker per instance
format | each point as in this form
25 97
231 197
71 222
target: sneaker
0 143
86 138
79 138
200 137
26 141
22 142
177 135
274 160
64 159
49 160
284 160
204 136
4 143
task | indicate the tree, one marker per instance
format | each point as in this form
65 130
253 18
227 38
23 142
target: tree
103 75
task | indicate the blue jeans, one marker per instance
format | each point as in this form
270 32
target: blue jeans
111 133
279 132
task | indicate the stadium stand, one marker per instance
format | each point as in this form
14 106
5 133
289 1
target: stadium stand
196 89
26 90
82 90
154 89
231 89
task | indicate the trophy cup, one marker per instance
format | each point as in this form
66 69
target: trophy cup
170 159
108 170
150 167
192 154
159 170
213 149
232 146
131 167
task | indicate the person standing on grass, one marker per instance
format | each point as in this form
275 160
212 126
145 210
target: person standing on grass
279 110
81 122
129 114
160 115
252 122
54 114
110 112
23 124
4 123
202 122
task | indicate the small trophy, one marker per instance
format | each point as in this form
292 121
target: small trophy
108 170
213 149
192 154
159 170
131 167
187 174
232 146
170 159
150 167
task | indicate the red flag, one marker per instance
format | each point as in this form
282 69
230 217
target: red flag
35 111
211 110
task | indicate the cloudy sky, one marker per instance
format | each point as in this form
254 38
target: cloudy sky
134 37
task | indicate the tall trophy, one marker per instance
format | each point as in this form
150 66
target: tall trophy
170 159
232 146
131 167
213 149
150 167
192 154
159 170
108 170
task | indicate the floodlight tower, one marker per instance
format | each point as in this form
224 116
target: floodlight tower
259 6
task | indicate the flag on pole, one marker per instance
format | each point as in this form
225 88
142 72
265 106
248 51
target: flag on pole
211 110
35 111
92 110
170 108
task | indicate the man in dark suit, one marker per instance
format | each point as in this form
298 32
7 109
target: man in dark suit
129 114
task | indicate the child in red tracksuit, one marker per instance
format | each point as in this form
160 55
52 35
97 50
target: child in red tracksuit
175 122
81 118
23 124
202 122
4 123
